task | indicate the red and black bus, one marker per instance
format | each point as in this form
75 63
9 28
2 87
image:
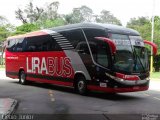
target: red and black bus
86 56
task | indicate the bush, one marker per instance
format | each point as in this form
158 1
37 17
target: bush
156 63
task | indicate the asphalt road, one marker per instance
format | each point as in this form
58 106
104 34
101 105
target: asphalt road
63 103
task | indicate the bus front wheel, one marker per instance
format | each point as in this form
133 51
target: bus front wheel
22 78
81 85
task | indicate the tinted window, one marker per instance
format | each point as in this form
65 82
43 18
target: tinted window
100 52
11 45
91 33
82 47
41 43
19 45
15 45
99 49
33 44
74 36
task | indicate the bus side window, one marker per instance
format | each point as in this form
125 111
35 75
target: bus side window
99 50
82 48
91 33
19 45
41 43
74 36
11 45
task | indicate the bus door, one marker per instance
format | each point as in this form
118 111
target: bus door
84 53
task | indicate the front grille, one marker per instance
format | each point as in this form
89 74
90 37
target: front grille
143 76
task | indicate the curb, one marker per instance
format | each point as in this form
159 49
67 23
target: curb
12 108
8 107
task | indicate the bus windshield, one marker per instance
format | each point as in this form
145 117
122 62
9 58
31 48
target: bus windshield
140 60
131 56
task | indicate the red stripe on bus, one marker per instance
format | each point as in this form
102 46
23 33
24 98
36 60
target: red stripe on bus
114 90
12 76
55 82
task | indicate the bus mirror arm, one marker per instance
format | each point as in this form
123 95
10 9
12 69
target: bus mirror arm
111 44
153 45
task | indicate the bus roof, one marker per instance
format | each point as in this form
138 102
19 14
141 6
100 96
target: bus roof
109 27
30 34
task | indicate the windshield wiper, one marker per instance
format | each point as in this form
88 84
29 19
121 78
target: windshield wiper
137 56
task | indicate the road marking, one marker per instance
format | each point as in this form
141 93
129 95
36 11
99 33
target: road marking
146 94
50 92
156 98
52 99
51 95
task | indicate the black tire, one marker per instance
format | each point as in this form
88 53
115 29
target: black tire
81 85
22 78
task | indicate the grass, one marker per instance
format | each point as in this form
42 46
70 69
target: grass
155 75
2 67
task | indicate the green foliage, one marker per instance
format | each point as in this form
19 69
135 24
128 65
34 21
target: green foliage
50 23
155 75
107 17
156 63
50 12
140 21
143 25
3 33
35 18
3 21
85 14
33 14
30 14
28 27
81 14
5 28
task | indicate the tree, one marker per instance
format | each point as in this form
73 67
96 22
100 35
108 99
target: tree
78 15
140 21
143 26
107 17
27 27
50 12
3 20
3 33
5 28
87 13
19 15
30 14
50 23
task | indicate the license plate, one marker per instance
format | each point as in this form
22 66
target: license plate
103 84
136 87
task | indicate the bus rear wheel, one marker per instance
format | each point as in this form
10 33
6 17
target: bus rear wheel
22 78
81 86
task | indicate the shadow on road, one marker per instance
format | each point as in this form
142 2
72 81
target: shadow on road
95 94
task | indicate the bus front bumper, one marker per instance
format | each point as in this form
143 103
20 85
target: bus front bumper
118 90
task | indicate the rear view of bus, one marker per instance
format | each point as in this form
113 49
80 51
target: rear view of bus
86 56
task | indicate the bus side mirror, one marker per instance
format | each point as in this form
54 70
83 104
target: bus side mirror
112 45
153 45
